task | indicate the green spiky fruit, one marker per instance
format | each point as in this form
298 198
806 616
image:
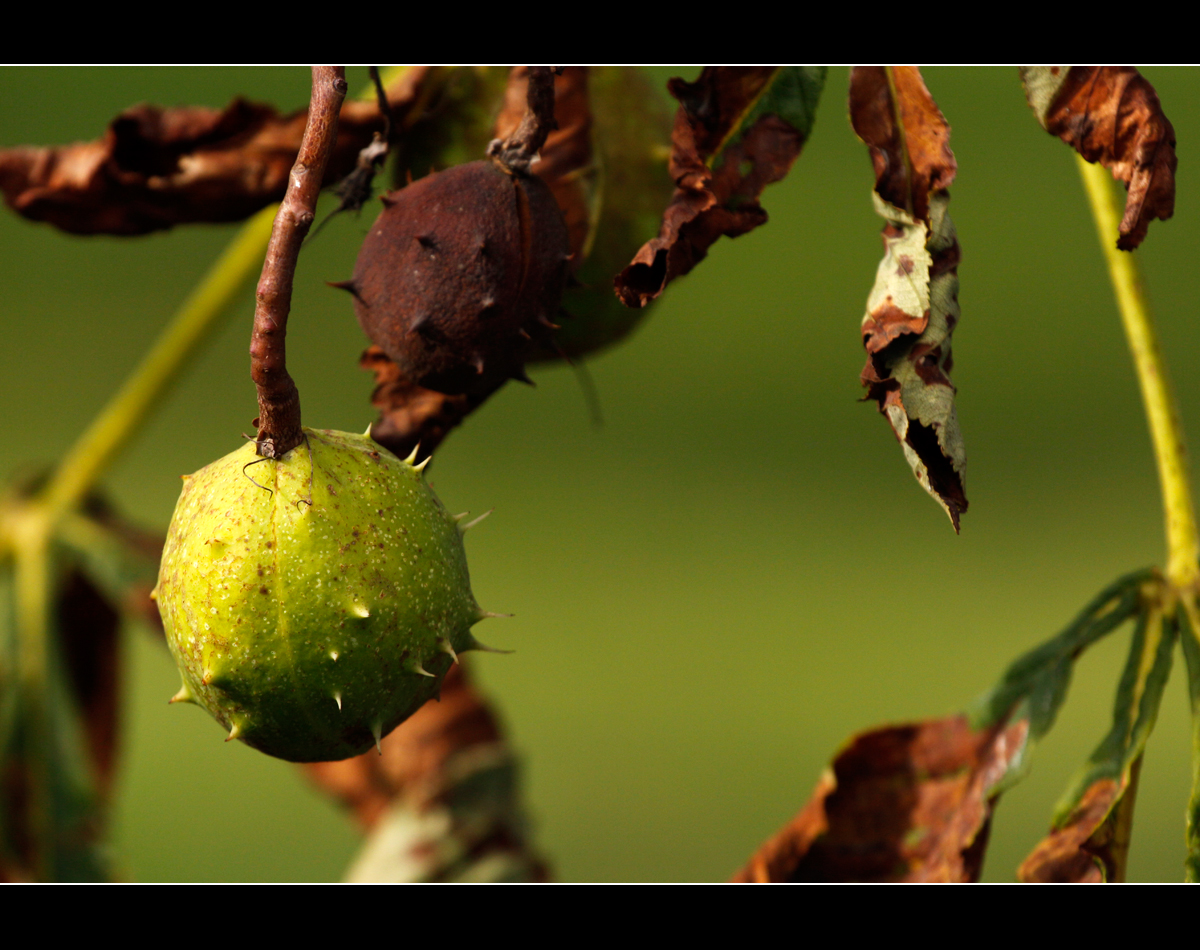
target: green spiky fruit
316 601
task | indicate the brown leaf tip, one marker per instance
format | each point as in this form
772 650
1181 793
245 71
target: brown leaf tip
1112 115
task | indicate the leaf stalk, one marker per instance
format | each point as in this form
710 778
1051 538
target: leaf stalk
1162 412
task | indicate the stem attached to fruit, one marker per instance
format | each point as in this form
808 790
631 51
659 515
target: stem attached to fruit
520 149
278 399
1162 413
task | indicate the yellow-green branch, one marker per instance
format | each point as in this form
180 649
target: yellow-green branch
141 392
1183 542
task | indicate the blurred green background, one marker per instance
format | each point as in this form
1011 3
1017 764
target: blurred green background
733 575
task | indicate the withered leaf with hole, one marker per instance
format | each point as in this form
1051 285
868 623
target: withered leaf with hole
738 129
913 308
1089 837
913 802
156 168
1111 115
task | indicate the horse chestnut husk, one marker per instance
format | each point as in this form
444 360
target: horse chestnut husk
462 275
315 601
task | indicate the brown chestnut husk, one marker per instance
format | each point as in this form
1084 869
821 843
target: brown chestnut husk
462 276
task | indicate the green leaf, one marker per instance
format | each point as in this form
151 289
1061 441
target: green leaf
1038 675
1139 693
1034 687
793 95
78 806
1190 639
51 783
1090 831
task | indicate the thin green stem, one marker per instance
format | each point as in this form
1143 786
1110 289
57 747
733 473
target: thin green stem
118 421
32 568
1162 413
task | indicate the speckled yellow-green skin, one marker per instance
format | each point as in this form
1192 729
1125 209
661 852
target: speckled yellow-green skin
337 582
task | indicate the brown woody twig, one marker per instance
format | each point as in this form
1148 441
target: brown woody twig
521 147
355 189
278 419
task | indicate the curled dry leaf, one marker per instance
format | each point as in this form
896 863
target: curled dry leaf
156 168
903 803
411 416
913 308
738 129
440 799
1111 115
1092 846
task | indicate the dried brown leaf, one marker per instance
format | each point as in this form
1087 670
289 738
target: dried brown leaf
894 114
414 754
713 201
438 800
903 803
411 415
913 308
89 612
913 802
87 627
1111 115
156 168
1093 844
